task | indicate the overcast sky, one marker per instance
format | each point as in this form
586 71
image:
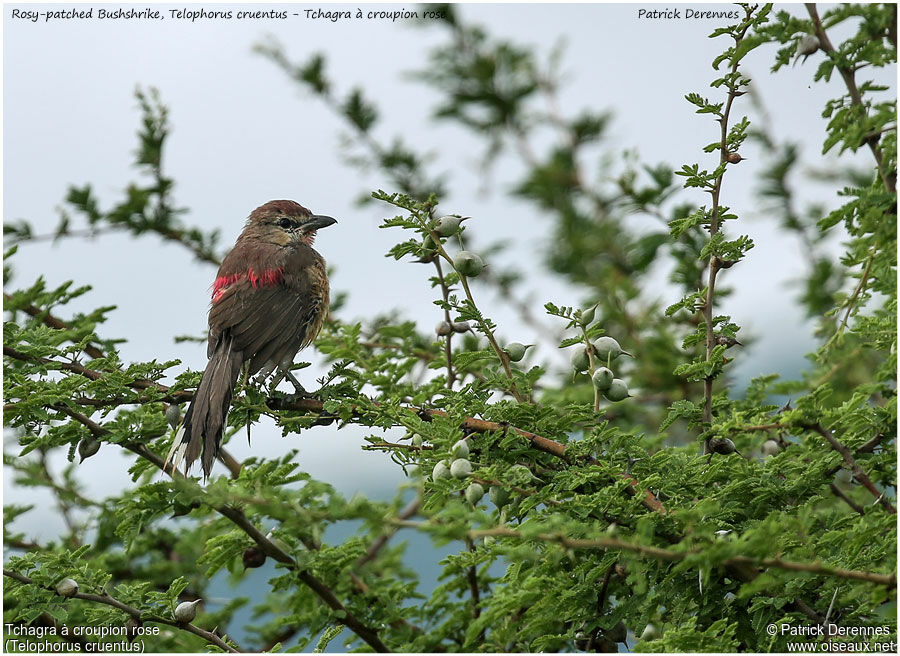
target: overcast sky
243 134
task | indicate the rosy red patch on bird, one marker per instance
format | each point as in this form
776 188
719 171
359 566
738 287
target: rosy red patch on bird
222 283
267 278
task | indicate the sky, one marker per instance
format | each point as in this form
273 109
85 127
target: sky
243 134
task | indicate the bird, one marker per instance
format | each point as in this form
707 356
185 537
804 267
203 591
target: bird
269 300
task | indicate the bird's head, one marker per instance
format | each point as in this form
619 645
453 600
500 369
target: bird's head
285 222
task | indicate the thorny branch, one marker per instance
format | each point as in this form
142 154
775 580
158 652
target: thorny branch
613 544
109 600
714 262
835 444
239 519
473 425
849 76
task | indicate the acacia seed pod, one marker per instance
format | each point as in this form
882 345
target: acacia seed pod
579 359
608 349
722 445
587 316
443 328
516 351
67 588
807 44
441 470
88 447
253 557
417 440
618 390
186 611
468 263
460 449
447 226
461 468
461 326
474 493
770 448
602 379
173 415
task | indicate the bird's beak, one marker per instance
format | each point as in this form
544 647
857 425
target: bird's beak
317 221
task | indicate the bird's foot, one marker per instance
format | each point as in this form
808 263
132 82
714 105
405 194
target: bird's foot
299 390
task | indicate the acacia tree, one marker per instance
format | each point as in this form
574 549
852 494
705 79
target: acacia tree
683 517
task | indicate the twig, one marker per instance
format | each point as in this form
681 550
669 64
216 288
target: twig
849 77
238 518
472 425
849 460
859 287
857 471
384 445
614 544
604 587
592 367
108 600
48 320
448 347
472 578
372 552
77 368
714 262
850 502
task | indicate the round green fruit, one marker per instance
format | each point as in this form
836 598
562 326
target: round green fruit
468 264
608 349
579 359
602 379
618 390
461 468
67 588
460 449
587 316
474 493
516 351
441 470
447 226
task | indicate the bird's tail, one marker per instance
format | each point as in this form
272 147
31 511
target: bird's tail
204 422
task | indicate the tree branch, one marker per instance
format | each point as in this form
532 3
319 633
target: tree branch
472 425
614 544
108 600
849 77
75 367
714 262
852 465
369 636
48 320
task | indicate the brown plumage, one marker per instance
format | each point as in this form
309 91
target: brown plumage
269 300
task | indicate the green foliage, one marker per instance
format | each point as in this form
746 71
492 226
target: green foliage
597 516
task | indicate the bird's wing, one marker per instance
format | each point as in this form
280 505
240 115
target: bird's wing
271 316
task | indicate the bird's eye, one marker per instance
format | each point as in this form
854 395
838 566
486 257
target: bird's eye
285 223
